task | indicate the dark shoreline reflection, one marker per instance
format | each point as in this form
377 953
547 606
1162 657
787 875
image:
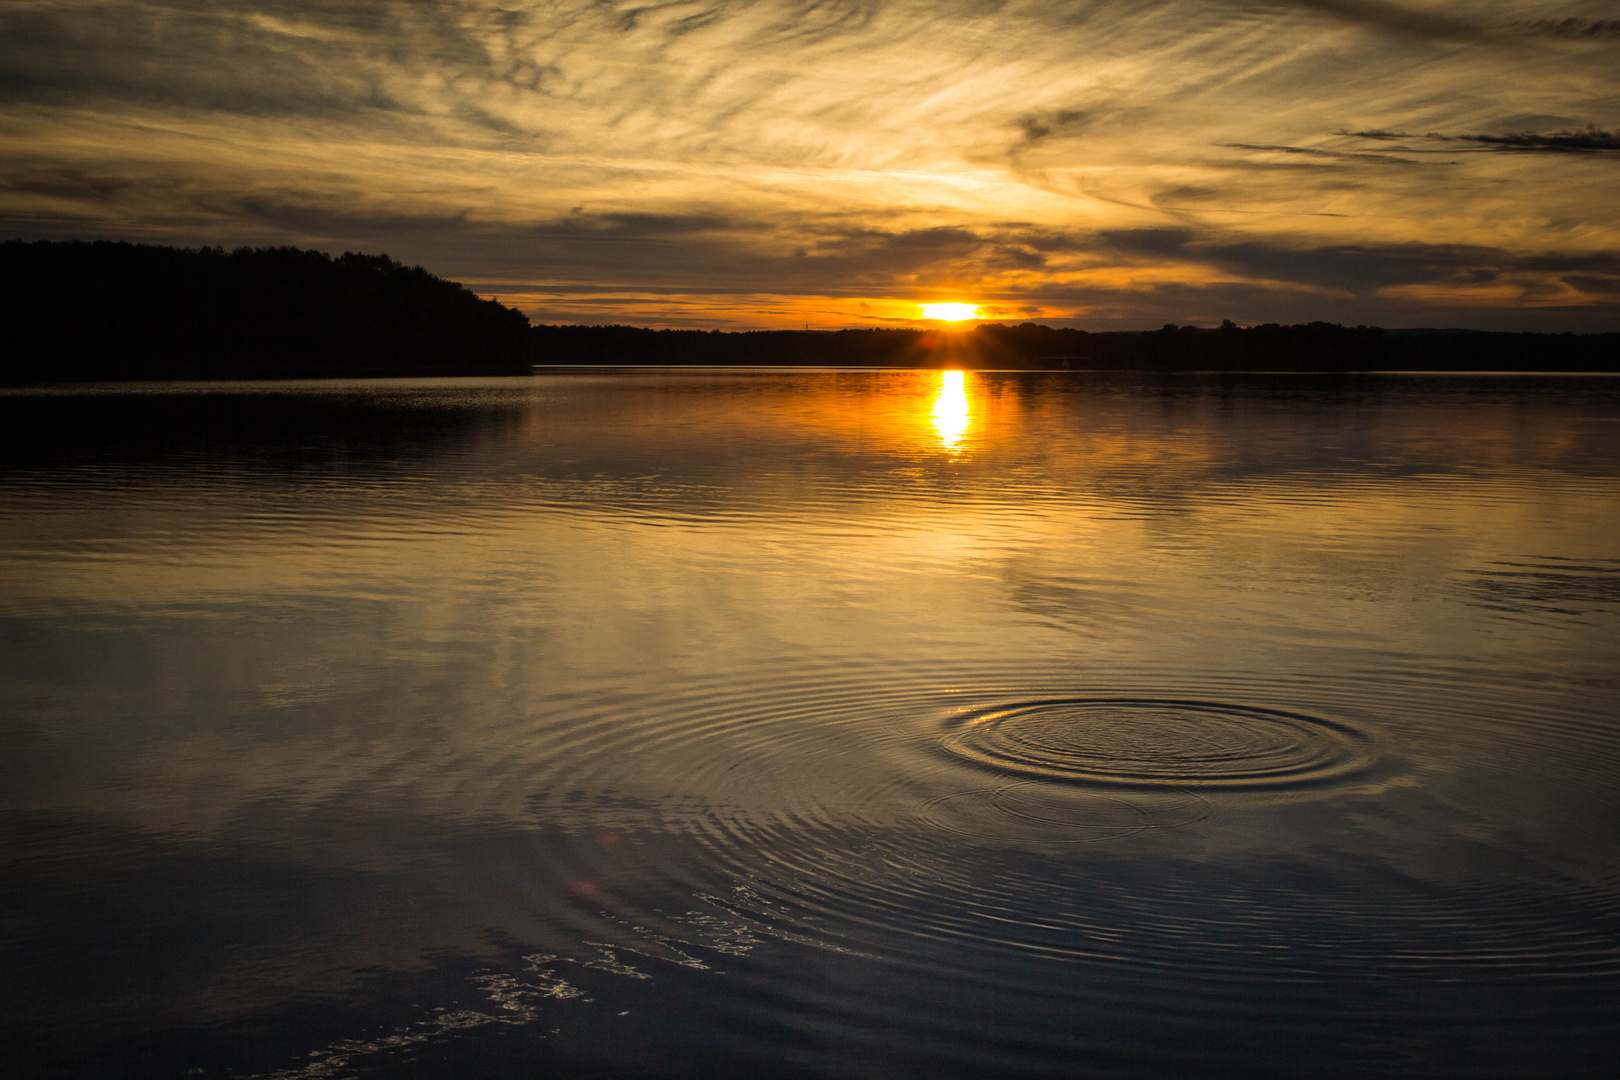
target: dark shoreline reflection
623 724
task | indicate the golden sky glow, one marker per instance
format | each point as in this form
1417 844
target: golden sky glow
1108 163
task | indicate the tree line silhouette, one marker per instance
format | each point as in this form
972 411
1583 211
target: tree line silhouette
1316 346
113 310
106 310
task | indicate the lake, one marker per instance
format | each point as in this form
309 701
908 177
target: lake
815 723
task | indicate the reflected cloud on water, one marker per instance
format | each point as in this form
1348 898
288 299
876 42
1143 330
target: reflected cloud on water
656 693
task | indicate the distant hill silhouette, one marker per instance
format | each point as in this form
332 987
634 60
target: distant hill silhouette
76 311
636 345
1314 346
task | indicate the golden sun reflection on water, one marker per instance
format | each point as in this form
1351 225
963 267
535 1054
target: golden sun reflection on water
951 409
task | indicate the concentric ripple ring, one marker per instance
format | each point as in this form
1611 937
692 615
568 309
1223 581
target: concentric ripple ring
1158 743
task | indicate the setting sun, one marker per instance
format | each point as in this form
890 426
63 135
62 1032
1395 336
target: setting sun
950 312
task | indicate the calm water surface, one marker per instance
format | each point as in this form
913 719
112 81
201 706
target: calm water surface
773 724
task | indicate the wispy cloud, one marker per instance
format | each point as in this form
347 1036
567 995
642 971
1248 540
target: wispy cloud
1422 22
1590 140
802 158
1570 28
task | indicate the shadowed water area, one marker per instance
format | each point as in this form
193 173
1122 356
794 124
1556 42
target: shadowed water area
777 724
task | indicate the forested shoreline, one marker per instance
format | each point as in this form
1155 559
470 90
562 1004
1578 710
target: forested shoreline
1271 347
81 311
77 311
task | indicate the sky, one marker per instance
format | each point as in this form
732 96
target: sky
1103 164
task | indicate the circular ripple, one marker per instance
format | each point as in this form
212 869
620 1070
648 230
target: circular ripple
1155 743
1027 811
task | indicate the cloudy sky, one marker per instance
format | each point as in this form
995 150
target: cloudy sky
746 163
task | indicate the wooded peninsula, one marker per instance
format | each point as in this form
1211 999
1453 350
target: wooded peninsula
82 311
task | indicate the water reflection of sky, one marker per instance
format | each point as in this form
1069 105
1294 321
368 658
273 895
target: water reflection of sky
376 677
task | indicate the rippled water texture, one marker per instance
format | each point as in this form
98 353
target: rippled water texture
812 724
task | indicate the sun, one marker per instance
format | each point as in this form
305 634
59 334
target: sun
950 312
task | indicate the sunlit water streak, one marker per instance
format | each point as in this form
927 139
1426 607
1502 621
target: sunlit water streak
766 724
951 412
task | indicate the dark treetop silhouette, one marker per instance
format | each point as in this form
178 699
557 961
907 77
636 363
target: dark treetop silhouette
80 311
1310 347
76 311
